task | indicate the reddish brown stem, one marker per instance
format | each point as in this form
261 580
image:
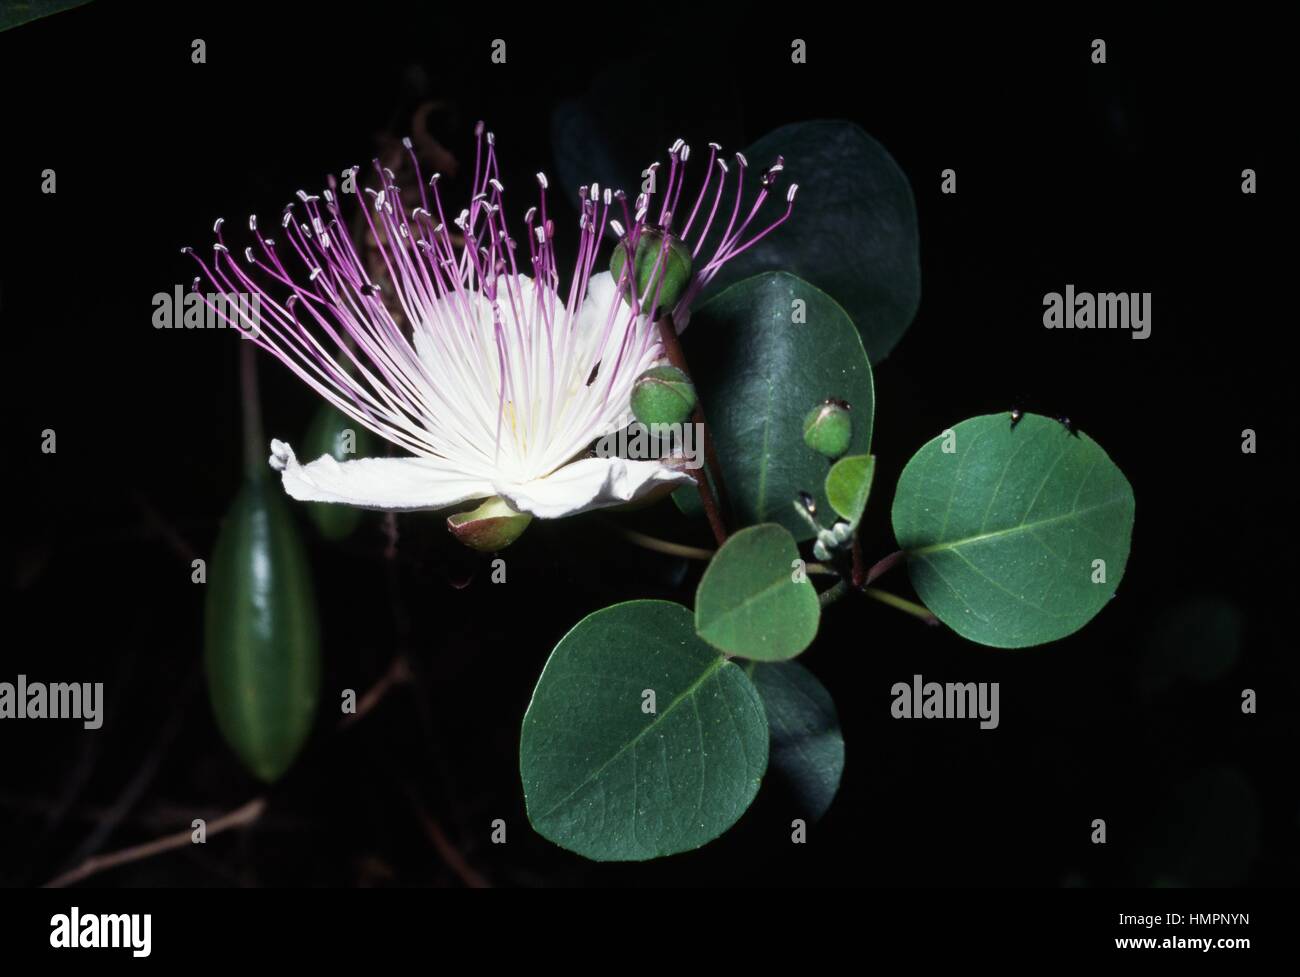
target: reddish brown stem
711 459
398 673
710 506
238 818
881 567
449 853
254 446
859 567
676 356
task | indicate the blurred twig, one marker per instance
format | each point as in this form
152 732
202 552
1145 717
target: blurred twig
135 788
398 673
238 818
159 525
448 852
684 551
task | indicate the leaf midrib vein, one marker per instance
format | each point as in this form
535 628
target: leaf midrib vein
595 774
1018 528
735 609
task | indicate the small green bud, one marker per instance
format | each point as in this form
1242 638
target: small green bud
663 395
827 428
494 525
673 269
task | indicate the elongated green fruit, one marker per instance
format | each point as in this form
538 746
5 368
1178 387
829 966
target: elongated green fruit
261 635
334 433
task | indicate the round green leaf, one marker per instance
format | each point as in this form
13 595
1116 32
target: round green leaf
748 602
1003 531
848 484
758 360
853 232
608 779
806 752
261 636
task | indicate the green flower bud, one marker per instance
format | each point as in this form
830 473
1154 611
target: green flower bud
663 395
668 275
827 428
494 525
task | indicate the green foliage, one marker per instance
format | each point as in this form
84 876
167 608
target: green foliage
806 752
1015 535
749 604
848 486
608 779
756 371
853 232
1003 532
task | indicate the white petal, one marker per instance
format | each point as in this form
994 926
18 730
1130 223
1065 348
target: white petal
400 484
601 294
590 483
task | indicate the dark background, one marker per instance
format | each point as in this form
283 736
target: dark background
1117 177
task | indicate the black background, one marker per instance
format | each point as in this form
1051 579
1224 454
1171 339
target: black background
1117 177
